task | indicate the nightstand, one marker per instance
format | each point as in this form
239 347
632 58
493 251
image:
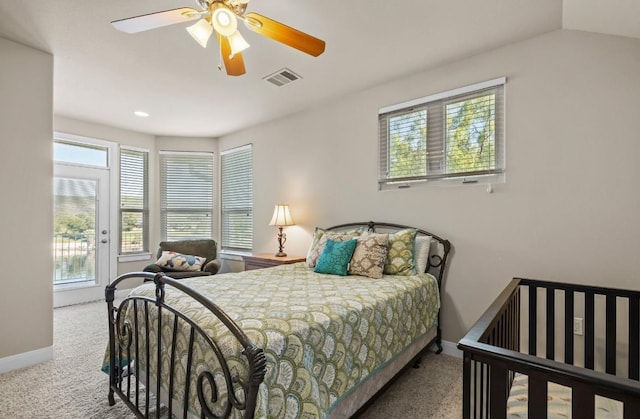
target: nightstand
267 260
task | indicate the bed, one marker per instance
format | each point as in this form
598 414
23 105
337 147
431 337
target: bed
522 358
282 342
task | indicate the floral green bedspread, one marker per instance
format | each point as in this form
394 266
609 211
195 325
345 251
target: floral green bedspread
322 334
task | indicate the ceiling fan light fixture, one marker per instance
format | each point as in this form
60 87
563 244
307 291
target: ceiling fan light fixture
237 43
224 20
201 31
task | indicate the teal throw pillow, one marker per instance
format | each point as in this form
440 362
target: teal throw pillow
335 257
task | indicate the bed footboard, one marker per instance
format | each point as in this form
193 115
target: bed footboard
144 363
529 330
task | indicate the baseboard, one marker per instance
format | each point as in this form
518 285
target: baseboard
26 359
449 348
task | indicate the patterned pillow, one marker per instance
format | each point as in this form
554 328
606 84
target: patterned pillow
320 238
400 256
178 262
335 257
369 256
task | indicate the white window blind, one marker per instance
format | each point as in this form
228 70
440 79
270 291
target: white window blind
134 201
449 135
186 195
237 198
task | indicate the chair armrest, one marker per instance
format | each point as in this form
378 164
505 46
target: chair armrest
212 266
152 268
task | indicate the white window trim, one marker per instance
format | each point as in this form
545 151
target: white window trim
443 95
231 253
487 180
145 254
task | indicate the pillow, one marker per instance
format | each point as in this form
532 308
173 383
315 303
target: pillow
335 257
400 255
320 239
369 256
178 262
421 253
317 234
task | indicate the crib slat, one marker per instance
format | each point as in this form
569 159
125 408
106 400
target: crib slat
610 333
631 408
568 327
466 385
582 402
481 394
498 403
634 339
537 404
551 326
589 335
533 319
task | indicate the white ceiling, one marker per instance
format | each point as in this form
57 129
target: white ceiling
102 75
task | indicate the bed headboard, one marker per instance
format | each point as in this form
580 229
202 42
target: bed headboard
439 247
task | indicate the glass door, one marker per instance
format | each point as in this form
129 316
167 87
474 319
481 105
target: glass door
81 238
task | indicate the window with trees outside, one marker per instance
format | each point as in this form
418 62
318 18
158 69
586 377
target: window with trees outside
236 198
186 195
134 201
456 134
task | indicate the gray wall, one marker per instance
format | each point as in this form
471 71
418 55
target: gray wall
567 212
26 173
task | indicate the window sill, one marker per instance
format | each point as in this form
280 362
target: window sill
233 254
487 180
134 257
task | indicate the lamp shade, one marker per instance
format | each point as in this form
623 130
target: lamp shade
201 31
237 43
281 216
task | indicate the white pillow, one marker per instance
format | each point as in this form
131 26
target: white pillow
421 253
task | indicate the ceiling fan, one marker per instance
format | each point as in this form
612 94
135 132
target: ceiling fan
222 17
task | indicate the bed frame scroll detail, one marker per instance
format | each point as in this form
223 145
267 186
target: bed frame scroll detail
131 340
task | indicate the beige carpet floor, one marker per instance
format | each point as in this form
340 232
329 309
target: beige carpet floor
72 386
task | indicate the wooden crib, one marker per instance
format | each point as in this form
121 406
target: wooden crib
529 331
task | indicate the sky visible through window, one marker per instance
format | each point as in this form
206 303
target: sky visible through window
79 154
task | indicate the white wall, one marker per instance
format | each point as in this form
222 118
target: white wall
26 177
568 211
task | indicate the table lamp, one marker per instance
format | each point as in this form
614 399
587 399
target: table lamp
281 218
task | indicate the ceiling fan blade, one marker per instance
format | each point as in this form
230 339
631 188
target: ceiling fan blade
284 34
234 66
156 20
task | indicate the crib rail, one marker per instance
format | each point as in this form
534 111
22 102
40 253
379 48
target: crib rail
529 330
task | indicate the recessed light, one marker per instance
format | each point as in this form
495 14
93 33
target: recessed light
141 114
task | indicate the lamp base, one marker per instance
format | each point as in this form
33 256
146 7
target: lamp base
281 254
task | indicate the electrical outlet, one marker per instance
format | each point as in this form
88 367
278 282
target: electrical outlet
577 326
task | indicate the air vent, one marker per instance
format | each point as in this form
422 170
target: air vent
282 77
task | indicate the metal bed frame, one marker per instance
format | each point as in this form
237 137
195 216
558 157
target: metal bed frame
133 385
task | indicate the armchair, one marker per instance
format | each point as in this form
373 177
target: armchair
203 248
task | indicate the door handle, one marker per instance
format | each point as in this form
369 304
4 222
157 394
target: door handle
103 241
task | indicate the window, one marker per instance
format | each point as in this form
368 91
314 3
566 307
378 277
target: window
186 195
134 201
457 134
80 154
237 198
